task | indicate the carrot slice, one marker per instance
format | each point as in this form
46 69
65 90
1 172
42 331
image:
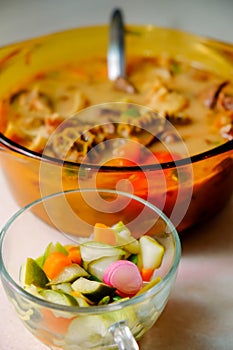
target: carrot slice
54 323
74 255
146 274
55 263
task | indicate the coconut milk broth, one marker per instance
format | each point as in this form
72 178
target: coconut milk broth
179 90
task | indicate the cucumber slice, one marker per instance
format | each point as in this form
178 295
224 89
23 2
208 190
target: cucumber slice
32 273
82 302
125 239
58 297
97 267
88 331
93 290
105 300
81 299
151 252
69 274
51 248
57 247
127 242
91 251
63 287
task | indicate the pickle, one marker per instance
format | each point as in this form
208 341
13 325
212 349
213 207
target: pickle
32 274
91 251
151 252
58 297
69 274
93 290
97 267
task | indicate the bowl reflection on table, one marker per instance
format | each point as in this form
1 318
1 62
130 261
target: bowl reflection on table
73 327
199 199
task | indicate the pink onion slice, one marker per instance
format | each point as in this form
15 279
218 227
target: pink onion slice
124 276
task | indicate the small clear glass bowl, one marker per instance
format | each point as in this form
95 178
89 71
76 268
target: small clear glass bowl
63 217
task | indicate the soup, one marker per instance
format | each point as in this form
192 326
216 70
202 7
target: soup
197 102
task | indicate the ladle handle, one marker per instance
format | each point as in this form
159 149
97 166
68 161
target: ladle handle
123 336
116 51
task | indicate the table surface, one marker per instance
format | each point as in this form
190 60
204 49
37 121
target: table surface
199 314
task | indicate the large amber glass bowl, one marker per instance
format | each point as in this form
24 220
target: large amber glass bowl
194 198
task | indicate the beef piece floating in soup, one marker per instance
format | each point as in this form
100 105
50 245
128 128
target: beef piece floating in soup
197 102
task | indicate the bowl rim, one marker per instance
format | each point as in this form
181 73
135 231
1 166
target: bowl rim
171 273
7 144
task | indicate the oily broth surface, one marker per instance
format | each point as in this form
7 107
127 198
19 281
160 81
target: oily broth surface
175 89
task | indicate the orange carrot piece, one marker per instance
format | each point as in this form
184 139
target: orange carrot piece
54 323
146 274
55 263
74 255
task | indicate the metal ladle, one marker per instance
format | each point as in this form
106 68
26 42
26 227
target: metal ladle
116 53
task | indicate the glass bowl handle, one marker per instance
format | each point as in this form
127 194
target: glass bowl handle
123 336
